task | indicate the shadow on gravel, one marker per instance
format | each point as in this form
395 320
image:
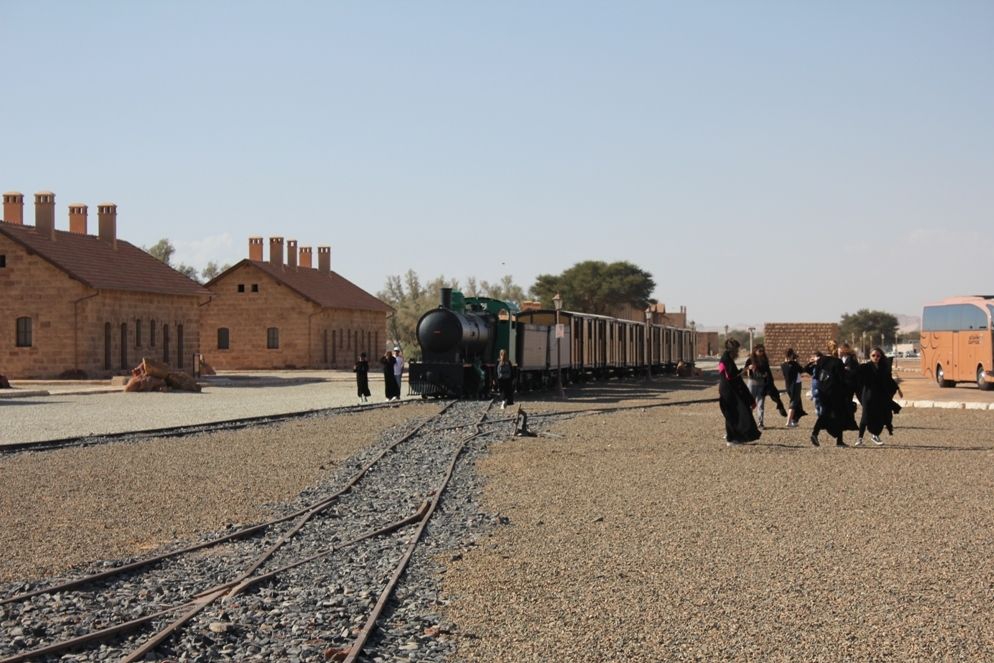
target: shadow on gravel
629 389
250 381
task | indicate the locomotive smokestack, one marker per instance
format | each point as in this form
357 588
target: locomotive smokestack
447 298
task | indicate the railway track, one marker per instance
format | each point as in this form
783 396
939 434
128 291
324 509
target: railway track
361 534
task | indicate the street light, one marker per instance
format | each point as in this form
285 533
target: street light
557 301
726 336
751 330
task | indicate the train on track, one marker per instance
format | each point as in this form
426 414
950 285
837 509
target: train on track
462 339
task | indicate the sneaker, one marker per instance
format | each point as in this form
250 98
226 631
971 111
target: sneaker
859 442
791 424
502 405
876 440
840 443
761 427
734 444
814 439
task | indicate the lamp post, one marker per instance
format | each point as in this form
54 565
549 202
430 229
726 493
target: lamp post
751 330
557 301
726 338
648 359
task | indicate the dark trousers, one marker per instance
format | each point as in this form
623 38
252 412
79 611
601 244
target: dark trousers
506 386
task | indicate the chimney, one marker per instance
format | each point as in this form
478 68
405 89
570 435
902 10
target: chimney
255 249
291 254
13 208
107 222
77 219
324 259
45 213
305 257
276 251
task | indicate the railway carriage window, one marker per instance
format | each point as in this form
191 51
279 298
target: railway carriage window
255 287
241 287
223 338
272 338
990 310
24 332
138 332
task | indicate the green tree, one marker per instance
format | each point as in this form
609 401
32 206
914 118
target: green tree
876 325
212 270
410 298
164 250
594 286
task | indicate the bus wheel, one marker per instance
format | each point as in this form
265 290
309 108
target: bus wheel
983 384
940 378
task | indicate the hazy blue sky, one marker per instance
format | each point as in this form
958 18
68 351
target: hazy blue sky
765 161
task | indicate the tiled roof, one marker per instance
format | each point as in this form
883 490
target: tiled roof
326 289
96 263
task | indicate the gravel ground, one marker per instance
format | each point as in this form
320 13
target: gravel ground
640 536
225 397
67 507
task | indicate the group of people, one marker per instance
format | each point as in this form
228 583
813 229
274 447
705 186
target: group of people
393 375
836 378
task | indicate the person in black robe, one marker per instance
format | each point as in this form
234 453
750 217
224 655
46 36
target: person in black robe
835 411
761 384
792 370
361 370
850 378
734 399
390 387
878 387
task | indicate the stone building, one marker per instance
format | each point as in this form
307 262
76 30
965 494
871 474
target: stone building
804 337
280 313
72 302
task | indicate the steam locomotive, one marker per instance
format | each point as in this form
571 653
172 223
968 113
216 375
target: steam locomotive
462 338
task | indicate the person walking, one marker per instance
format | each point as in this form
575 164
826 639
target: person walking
734 399
389 379
759 379
850 367
792 386
398 368
835 412
505 379
877 387
361 370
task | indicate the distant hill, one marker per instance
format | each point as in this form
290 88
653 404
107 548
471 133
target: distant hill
908 323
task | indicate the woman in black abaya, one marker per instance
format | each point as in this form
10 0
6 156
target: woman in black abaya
836 413
734 399
877 387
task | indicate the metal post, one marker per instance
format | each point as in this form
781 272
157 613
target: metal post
751 330
557 301
722 348
648 359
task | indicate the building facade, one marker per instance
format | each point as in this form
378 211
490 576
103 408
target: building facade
76 304
284 313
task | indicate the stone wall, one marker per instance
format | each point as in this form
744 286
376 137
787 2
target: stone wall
804 337
309 336
69 322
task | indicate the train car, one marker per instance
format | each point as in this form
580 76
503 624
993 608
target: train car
460 342
461 339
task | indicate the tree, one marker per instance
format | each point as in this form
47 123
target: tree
595 286
879 327
212 270
163 250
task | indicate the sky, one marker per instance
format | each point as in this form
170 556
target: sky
765 161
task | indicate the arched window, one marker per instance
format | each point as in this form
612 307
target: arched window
106 346
24 332
165 343
179 346
124 345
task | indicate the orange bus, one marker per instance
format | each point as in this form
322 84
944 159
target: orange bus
956 341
